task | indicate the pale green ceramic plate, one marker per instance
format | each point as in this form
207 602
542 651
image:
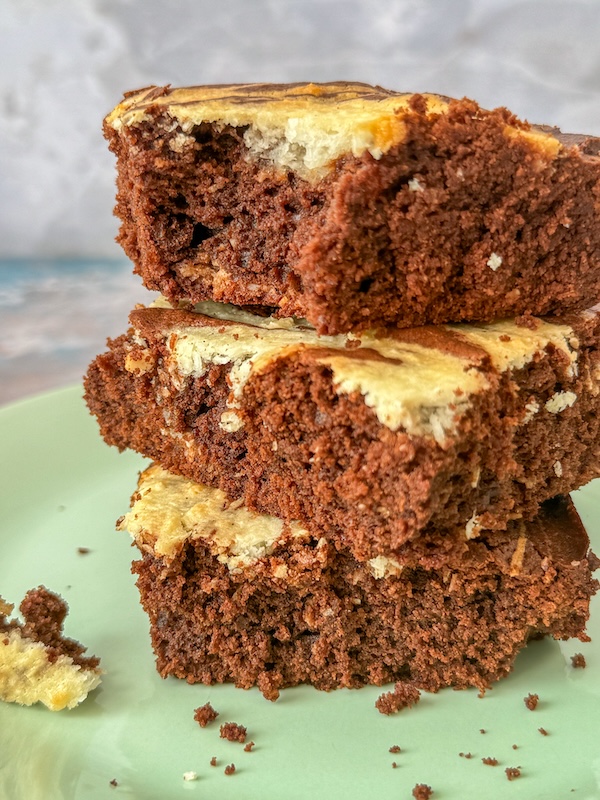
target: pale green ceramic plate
62 489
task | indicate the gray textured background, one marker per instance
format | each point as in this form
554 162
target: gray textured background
65 63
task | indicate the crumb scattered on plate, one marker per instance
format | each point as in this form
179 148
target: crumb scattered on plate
233 732
37 663
512 773
205 715
531 701
422 791
404 695
578 661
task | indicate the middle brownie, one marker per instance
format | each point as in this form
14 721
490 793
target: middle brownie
370 438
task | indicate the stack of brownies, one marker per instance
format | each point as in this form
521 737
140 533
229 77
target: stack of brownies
362 430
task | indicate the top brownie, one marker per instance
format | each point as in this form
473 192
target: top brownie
353 206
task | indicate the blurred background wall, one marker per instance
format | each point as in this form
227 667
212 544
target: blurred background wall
65 63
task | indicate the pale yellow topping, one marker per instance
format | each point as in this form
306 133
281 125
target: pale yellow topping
28 677
560 401
547 145
513 346
303 128
170 509
420 389
383 567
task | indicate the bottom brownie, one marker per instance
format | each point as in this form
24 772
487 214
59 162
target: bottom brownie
237 596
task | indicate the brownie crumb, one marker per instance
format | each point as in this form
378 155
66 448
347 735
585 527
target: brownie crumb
578 661
83 551
229 769
543 731
481 730
514 747
404 695
512 773
113 782
422 791
531 701
394 765
248 747
213 761
269 684
490 762
395 749
233 732
205 715
466 755
527 320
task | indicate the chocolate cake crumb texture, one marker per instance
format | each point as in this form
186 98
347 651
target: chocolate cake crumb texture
248 747
404 695
83 551
213 761
205 714
229 769
490 762
512 773
395 748
422 791
334 449
235 600
113 783
466 755
531 701
543 731
578 661
394 765
233 732
462 213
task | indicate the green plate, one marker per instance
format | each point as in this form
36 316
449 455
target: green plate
63 489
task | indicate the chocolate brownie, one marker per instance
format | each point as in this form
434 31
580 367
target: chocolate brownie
368 438
37 663
233 595
354 206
